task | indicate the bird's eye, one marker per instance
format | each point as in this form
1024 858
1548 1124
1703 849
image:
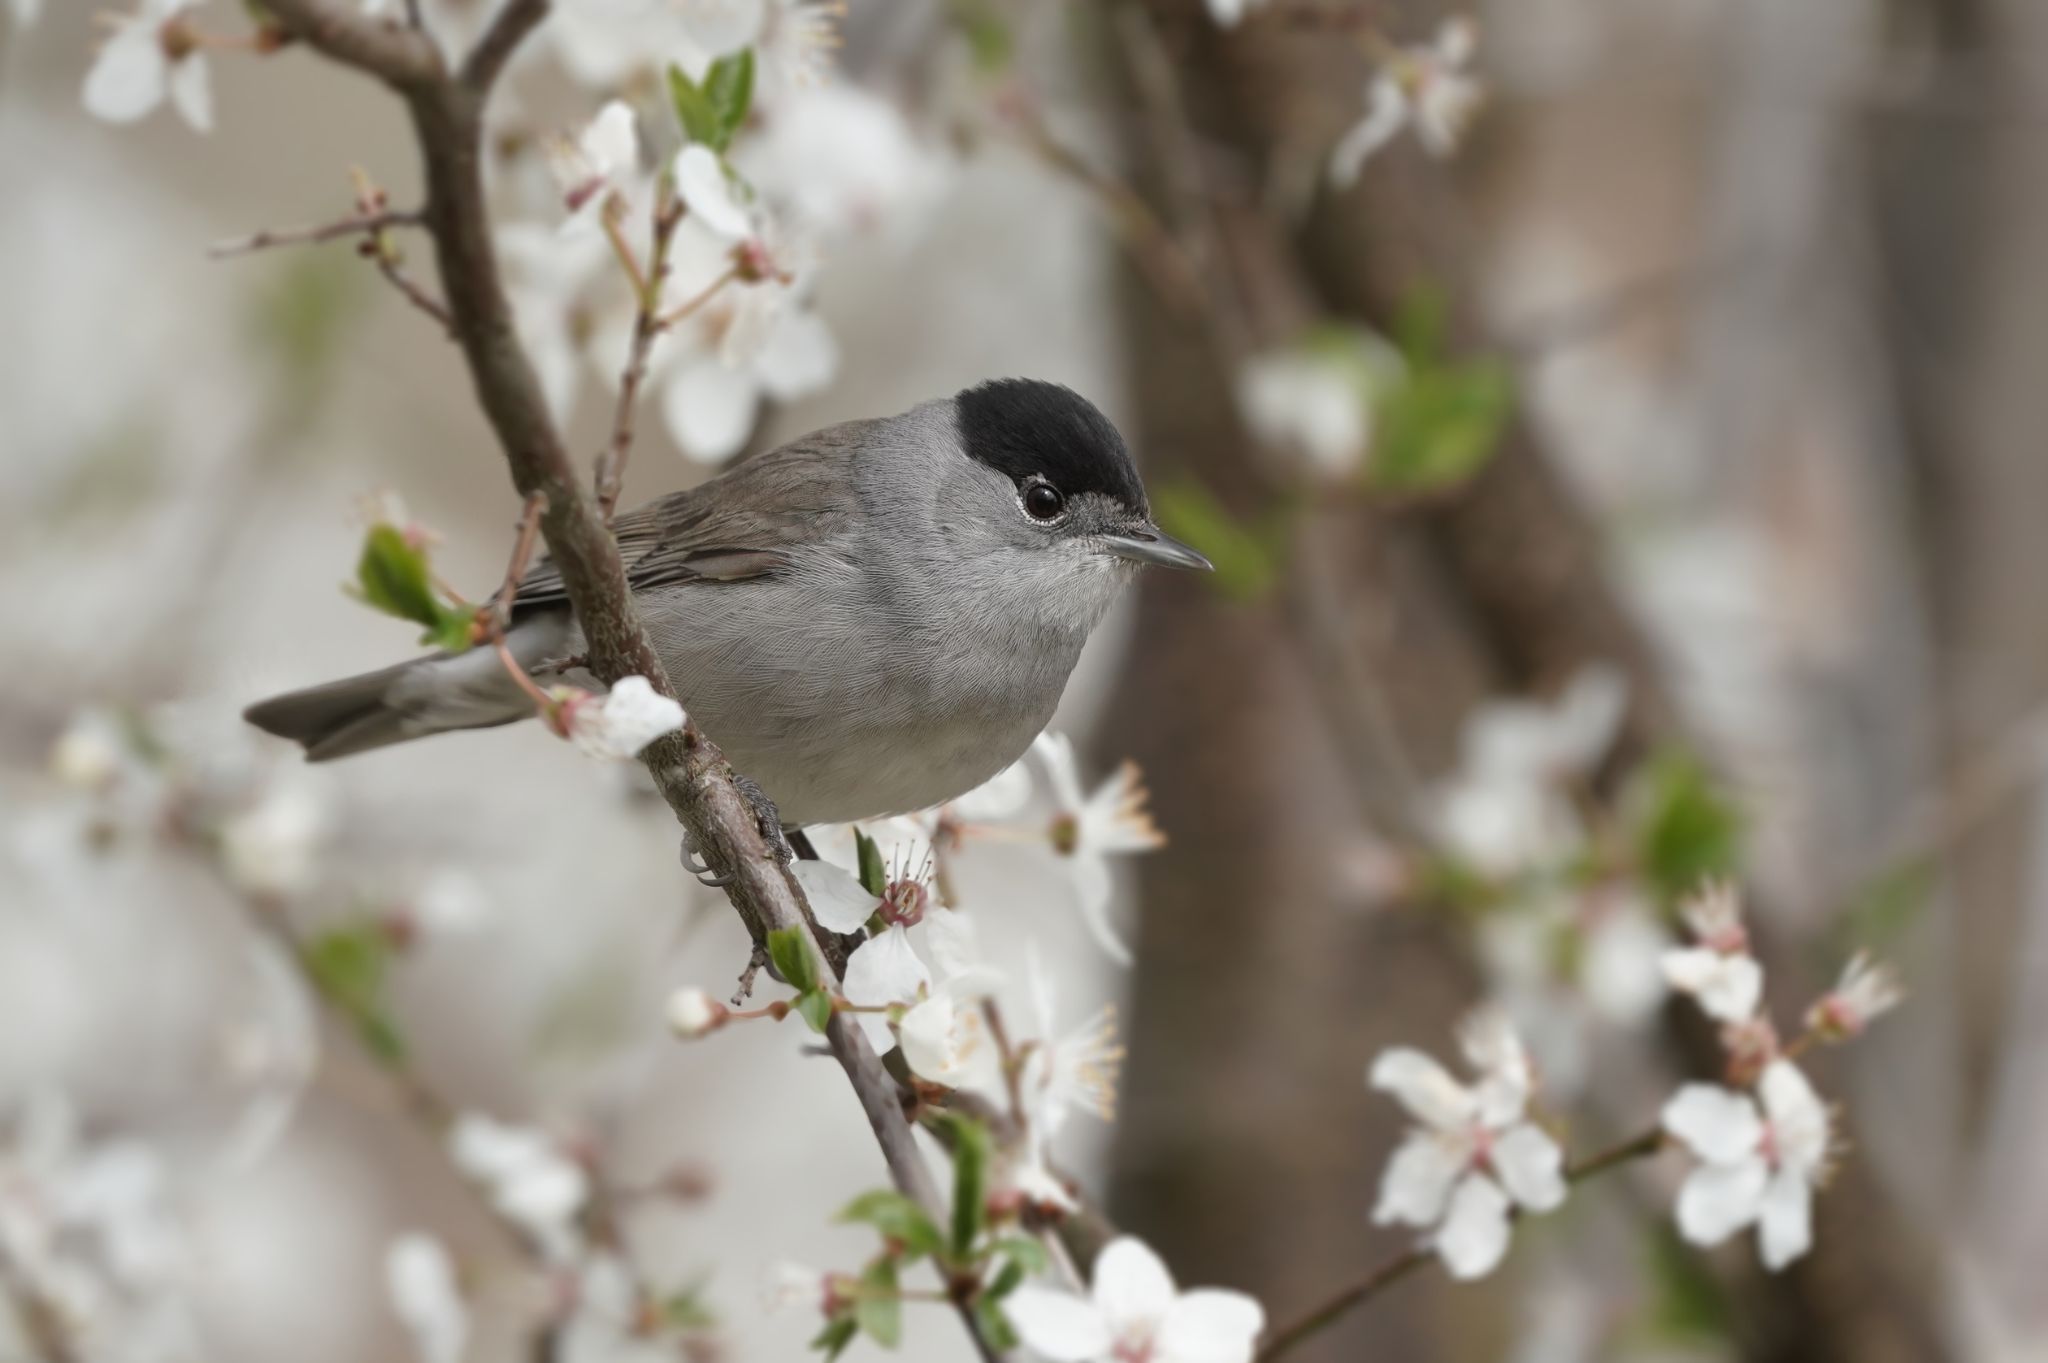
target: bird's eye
1043 502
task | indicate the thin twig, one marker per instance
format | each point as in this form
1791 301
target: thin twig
1392 1270
647 324
394 273
356 224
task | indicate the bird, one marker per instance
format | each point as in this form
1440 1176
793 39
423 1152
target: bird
869 620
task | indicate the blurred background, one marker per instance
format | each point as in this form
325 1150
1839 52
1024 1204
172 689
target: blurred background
1698 384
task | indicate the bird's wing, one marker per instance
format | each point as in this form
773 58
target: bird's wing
740 525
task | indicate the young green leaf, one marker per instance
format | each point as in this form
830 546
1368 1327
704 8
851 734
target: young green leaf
694 110
879 1308
815 1008
874 877
1688 831
1247 558
729 89
837 1334
392 576
1026 1253
992 1325
896 1218
348 966
791 955
1440 427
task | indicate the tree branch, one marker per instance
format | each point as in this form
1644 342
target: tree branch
692 775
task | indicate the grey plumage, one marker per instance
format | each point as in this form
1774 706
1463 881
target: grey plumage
865 619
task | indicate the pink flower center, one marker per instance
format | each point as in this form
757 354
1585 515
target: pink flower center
905 902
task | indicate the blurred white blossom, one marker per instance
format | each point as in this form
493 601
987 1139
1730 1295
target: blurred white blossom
1718 972
530 1180
1226 13
419 1278
1134 1311
1508 809
693 1013
1428 88
1867 990
1473 1155
1316 398
1757 1167
597 166
272 847
91 752
149 55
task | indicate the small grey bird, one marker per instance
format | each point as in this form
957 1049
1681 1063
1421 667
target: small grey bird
869 620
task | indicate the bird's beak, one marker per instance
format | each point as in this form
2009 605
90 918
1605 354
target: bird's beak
1148 544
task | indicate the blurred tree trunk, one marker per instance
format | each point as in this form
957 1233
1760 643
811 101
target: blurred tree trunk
1261 992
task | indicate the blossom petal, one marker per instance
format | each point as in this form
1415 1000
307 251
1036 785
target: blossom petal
1131 1284
1386 114
1717 1124
1418 1180
1720 1199
710 409
1727 987
1530 1166
192 92
130 77
1799 1120
1091 877
885 970
702 183
1063 1327
837 900
1785 1231
1210 1325
1474 1237
1424 1087
799 356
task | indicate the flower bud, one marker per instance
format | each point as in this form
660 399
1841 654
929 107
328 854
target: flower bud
693 1013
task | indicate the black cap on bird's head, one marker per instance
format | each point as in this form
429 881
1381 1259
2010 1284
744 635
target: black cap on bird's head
1056 447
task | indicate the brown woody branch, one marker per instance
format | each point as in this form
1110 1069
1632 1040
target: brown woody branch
692 775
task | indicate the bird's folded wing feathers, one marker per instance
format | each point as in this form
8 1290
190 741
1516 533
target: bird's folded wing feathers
738 526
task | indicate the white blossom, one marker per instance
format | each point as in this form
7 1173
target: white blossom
787 1285
553 284
1473 1154
1427 88
1063 1071
693 1013
529 1179
1505 810
1718 972
609 1324
838 901
1134 1311
1088 829
1757 1167
796 40
419 1279
272 847
837 160
91 752
706 190
1295 400
597 167
748 343
1867 990
1002 796
617 726
1226 13
149 55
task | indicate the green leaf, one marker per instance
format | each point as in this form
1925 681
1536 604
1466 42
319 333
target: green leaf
348 965
1247 560
837 1334
1885 908
992 1324
1027 1254
987 33
879 1308
874 877
1440 427
1422 326
969 1145
1006 1281
687 1310
897 1218
790 951
451 633
815 1008
729 89
694 110
1688 832
1688 1305
392 576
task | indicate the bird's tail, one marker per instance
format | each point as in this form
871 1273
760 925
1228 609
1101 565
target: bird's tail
343 717
430 695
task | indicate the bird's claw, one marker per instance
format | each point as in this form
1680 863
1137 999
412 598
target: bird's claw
706 877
